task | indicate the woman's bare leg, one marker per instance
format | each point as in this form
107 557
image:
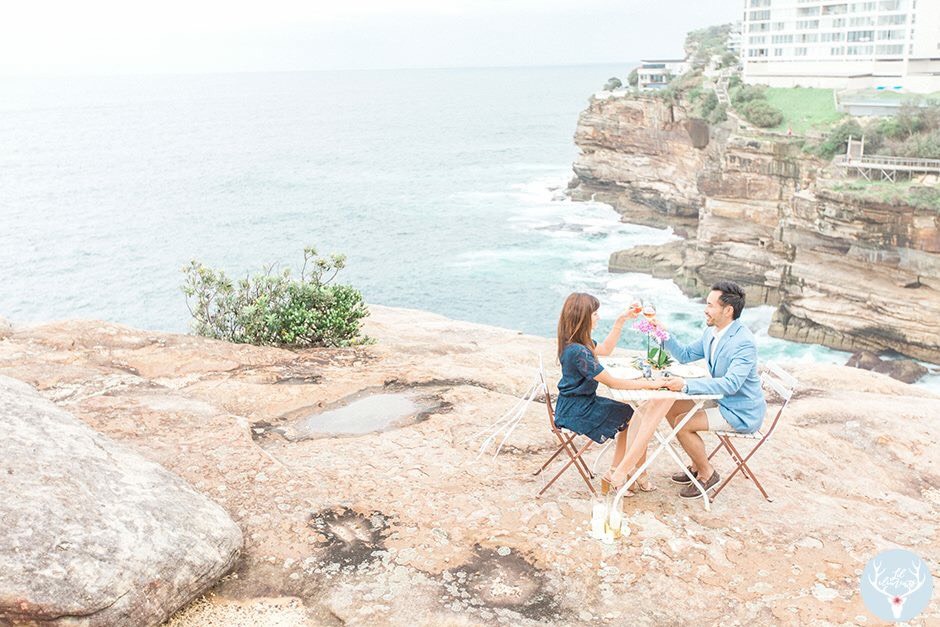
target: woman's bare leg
652 412
620 447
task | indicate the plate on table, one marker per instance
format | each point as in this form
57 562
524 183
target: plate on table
687 371
618 362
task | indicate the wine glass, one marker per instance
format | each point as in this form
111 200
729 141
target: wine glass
649 312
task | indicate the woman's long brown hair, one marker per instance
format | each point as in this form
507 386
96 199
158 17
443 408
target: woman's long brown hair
574 324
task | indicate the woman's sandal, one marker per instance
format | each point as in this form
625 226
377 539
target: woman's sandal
607 484
644 484
640 484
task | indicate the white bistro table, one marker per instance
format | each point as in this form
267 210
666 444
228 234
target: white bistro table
635 398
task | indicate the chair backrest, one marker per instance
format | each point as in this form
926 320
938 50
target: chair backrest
548 397
783 384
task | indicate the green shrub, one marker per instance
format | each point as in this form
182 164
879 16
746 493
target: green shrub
923 146
273 308
633 79
719 114
734 82
612 83
838 138
762 114
708 103
747 93
889 127
925 197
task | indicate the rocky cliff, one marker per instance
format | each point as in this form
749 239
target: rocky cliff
399 522
844 273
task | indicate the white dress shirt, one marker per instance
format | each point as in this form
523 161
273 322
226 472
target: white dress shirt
715 340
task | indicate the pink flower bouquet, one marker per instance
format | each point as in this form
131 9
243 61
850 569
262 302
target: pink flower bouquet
656 356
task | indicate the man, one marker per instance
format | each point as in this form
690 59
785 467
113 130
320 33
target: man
731 353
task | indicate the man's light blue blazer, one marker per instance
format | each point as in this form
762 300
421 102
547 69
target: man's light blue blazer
734 374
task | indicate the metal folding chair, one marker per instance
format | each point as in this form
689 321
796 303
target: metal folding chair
774 379
567 445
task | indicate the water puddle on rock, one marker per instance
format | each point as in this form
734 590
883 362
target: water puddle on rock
368 411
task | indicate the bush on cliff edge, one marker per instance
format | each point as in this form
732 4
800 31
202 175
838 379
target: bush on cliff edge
275 309
762 114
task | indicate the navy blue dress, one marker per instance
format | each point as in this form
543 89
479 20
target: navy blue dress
579 408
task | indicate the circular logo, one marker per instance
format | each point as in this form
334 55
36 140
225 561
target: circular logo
896 585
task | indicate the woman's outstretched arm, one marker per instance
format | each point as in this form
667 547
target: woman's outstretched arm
610 342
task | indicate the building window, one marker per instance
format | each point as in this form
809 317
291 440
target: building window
780 25
862 21
807 24
760 3
835 9
838 51
895 49
807 11
858 50
757 52
889 5
895 33
884 20
799 52
826 37
862 7
778 52
838 22
759 39
782 39
808 38
760 15
860 35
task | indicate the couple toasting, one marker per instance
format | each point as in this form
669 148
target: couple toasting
730 352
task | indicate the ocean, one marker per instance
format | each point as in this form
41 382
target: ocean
442 188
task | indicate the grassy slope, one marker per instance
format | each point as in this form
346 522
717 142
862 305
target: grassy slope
804 108
892 193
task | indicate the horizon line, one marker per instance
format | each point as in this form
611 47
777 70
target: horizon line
312 70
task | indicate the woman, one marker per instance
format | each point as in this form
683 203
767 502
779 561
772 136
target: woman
579 409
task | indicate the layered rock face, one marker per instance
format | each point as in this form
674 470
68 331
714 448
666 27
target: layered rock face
846 274
93 533
640 155
863 276
407 525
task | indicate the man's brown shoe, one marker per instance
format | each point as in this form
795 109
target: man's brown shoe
681 478
691 492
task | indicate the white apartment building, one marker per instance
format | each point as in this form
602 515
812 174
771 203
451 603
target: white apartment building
827 43
656 73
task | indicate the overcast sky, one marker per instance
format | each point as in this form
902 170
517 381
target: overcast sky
42 37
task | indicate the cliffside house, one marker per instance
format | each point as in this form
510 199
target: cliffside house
656 73
843 45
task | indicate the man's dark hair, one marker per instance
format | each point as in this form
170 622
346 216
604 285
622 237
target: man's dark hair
731 294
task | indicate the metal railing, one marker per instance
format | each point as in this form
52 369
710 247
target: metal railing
887 162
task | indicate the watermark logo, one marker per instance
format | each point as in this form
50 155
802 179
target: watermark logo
896 585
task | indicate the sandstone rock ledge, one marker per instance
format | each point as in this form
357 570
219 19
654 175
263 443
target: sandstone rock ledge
405 527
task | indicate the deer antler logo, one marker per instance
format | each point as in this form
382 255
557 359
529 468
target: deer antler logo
898 584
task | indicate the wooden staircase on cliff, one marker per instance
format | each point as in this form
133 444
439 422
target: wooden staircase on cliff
882 167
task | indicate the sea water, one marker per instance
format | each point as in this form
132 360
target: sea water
442 187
